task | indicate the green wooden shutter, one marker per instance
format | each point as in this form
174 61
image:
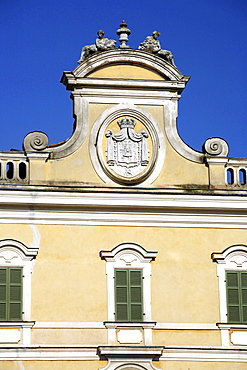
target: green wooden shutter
15 294
236 284
233 300
121 295
128 295
3 294
135 287
244 296
10 293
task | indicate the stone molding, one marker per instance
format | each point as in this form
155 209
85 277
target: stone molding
11 246
130 357
131 56
178 210
158 145
128 255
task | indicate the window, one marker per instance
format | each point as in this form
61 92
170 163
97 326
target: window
10 294
128 295
236 285
232 279
16 261
128 270
232 274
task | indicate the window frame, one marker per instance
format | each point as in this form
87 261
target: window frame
232 259
15 254
128 256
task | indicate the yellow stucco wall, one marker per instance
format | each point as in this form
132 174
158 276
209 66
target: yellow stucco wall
193 365
186 337
71 336
68 259
126 72
96 365
69 282
78 167
52 365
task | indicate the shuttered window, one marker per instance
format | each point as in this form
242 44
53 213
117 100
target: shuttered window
128 295
236 284
10 293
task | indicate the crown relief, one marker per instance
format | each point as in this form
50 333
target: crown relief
128 259
235 255
239 261
8 256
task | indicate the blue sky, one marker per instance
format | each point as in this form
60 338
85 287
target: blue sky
41 39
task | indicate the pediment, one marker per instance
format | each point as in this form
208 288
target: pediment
143 64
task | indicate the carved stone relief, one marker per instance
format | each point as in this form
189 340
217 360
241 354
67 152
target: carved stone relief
126 145
127 151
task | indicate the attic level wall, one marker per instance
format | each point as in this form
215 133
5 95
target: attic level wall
78 167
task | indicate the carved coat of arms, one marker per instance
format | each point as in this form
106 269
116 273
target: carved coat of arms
127 151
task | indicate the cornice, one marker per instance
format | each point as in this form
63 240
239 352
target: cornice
121 209
130 56
92 353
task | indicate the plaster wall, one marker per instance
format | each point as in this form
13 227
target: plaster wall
71 336
192 365
68 273
78 168
52 365
186 337
126 72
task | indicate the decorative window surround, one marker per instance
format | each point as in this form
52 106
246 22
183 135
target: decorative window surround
233 258
128 255
130 358
145 326
16 254
20 332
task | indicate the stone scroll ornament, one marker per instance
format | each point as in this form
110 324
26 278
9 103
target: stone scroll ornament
102 43
215 146
35 141
152 45
127 151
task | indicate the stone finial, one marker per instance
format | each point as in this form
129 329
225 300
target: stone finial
123 32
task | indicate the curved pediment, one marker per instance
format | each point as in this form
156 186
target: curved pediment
143 63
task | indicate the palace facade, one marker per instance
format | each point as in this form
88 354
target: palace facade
122 248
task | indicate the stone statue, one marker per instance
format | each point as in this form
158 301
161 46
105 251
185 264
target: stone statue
101 43
152 45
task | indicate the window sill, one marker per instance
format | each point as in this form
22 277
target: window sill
17 324
143 325
15 332
229 326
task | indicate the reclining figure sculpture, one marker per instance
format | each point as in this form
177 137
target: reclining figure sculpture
152 45
101 43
